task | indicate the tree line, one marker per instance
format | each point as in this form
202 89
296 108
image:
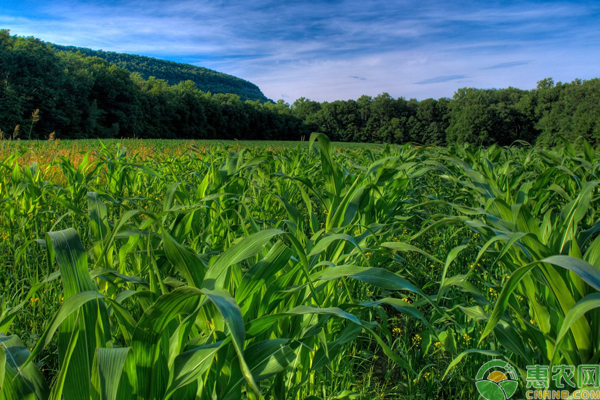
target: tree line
479 116
72 95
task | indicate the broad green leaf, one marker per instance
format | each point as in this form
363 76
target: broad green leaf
108 372
185 261
374 276
19 379
190 365
407 247
588 303
66 247
245 248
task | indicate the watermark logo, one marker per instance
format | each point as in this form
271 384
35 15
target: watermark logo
496 380
563 382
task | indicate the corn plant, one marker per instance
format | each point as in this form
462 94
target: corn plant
158 270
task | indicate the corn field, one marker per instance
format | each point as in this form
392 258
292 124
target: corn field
309 271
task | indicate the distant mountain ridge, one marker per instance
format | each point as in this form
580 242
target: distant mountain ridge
205 79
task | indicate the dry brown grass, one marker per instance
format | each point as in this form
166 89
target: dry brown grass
47 153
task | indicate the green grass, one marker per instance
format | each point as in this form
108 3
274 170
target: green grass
231 270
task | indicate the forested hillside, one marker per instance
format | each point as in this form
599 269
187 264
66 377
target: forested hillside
43 91
205 79
76 96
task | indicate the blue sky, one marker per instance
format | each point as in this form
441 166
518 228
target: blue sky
337 49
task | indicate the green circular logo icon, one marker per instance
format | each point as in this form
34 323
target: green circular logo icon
497 380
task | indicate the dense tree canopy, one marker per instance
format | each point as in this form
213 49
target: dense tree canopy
205 79
568 110
78 96
82 97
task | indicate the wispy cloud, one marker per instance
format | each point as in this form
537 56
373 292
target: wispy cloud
441 79
311 48
507 65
